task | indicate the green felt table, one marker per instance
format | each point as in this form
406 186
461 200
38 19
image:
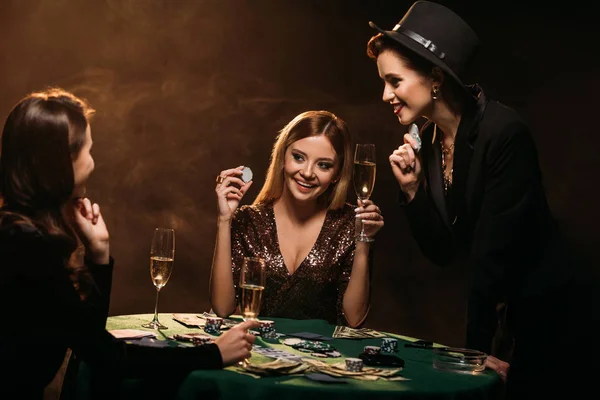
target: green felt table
425 381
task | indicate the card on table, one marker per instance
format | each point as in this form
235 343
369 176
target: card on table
125 334
274 353
309 336
189 320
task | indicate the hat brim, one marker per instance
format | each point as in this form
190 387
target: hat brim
419 50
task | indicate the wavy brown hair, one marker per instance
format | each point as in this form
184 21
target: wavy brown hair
44 132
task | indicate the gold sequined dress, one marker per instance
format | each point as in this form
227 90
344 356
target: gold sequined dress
316 289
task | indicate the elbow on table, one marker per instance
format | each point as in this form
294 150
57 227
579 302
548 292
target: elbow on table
356 321
222 311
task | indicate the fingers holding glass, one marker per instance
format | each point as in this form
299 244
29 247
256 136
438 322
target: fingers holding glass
370 217
364 179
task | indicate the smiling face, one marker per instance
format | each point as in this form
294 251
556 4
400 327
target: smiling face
311 165
408 91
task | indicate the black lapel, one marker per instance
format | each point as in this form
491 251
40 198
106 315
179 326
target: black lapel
464 144
434 166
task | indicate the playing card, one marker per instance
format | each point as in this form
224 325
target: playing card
309 336
189 320
274 353
125 334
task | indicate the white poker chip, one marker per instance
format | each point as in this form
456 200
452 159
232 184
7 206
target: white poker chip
247 174
292 341
414 132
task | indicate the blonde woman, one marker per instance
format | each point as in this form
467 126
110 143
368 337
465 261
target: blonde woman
301 225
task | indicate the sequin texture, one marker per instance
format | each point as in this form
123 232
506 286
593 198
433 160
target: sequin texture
316 289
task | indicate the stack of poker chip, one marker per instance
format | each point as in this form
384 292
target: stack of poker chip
200 341
389 345
267 329
354 364
372 349
213 325
310 346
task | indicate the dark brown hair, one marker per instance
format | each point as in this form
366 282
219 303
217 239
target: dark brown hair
42 135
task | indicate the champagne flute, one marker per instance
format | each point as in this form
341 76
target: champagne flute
252 283
162 254
364 179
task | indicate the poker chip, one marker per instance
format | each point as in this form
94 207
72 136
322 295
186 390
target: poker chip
389 345
372 349
247 174
291 341
313 346
414 133
354 364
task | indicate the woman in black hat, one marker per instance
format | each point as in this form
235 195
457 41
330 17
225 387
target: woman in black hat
472 188
53 300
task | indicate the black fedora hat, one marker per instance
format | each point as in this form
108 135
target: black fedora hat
437 34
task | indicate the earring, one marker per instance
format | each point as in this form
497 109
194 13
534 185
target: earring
434 92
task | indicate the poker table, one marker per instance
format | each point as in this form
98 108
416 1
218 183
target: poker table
425 382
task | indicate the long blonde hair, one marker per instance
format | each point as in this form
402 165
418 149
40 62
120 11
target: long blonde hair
307 124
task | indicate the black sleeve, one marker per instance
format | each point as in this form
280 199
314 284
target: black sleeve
40 286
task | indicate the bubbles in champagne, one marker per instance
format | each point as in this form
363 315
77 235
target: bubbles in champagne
364 179
160 270
251 300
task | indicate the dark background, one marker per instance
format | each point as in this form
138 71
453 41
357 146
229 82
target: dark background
184 89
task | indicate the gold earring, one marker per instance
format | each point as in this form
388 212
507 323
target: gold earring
434 92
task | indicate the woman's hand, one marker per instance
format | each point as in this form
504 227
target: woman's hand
91 229
406 166
236 343
499 366
371 217
230 190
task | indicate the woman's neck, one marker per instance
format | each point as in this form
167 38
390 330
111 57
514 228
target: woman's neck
298 212
447 122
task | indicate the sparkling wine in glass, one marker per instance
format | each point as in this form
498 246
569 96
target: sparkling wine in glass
162 255
252 283
364 179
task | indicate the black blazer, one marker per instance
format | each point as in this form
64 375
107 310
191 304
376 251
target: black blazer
44 315
495 214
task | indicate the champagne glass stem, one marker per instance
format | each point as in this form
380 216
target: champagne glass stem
155 320
155 323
